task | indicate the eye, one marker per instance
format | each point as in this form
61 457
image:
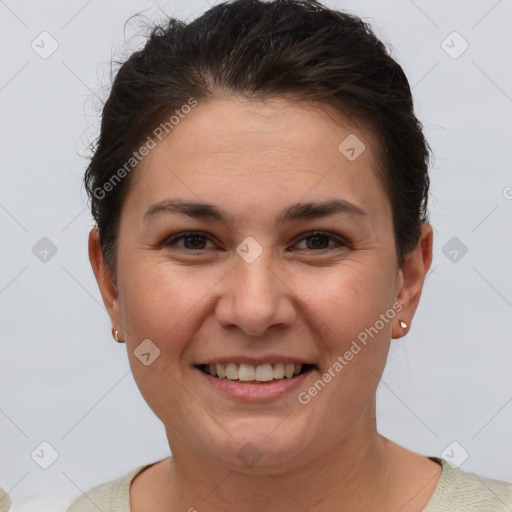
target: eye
193 240
318 240
196 240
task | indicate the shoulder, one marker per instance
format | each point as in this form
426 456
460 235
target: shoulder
458 490
112 496
5 501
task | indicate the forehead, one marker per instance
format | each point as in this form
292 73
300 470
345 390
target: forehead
257 153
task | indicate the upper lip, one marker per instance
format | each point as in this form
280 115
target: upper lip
256 361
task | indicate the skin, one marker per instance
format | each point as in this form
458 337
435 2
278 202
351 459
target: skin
252 159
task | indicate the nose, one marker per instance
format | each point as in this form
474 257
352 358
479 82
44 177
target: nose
255 297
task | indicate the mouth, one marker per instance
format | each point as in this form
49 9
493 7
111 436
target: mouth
255 374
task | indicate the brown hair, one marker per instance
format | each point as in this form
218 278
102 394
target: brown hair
263 49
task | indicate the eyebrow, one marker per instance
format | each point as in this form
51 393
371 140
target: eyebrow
293 213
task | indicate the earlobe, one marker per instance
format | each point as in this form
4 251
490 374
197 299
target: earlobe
411 280
103 277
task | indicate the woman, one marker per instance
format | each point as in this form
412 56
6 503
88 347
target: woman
229 147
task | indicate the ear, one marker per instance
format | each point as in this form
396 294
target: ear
411 278
104 279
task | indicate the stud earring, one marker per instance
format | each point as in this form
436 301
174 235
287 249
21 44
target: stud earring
403 325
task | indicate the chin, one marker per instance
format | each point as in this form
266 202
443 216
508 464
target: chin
258 446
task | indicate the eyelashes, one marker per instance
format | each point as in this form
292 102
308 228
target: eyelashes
197 238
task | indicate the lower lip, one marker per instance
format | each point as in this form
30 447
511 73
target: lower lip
255 391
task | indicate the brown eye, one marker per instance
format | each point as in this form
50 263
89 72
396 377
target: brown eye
320 241
192 241
196 241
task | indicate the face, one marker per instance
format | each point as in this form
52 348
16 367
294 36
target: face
291 264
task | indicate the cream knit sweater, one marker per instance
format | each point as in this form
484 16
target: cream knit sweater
456 491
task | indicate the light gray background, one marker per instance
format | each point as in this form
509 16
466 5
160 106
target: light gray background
63 378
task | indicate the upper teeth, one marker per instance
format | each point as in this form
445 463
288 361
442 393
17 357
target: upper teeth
249 372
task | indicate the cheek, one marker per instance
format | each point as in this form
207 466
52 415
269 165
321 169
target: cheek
159 304
355 341
163 302
349 299
157 296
